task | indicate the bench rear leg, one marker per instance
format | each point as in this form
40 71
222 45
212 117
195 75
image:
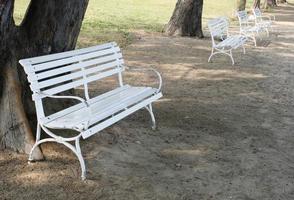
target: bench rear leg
150 110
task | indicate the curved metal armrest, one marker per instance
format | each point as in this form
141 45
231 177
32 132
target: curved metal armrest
149 69
265 17
66 97
270 17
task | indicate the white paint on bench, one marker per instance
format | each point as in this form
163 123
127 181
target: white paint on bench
219 29
53 74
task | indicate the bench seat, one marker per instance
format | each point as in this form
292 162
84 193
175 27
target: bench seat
53 76
80 117
234 42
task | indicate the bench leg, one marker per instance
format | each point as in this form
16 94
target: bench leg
231 56
244 50
267 32
150 110
75 149
212 53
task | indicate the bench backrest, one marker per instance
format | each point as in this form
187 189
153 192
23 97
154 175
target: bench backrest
257 12
56 73
218 27
257 15
243 18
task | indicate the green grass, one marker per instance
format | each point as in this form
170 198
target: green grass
115 20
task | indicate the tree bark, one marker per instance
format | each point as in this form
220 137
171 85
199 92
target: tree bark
241 5
256 4
186 19
269 3
48 27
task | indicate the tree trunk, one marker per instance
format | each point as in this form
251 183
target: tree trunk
282 1
48 27
256 4
269 3
241 5
186 19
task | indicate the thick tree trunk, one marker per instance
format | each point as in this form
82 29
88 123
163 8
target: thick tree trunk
241 5
186 19
48 27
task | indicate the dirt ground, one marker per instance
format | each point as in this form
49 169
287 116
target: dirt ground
225 132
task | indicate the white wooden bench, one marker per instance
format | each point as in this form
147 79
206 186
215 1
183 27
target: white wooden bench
53 74
219 29
265 21
248 28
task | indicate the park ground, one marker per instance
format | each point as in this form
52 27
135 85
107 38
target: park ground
224 132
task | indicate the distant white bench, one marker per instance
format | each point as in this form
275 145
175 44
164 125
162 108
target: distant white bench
248 28
53 74
262 20
219 29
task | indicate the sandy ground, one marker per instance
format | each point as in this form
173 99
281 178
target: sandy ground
225 132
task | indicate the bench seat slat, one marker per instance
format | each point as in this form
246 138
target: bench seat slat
73 67
81 105
101 109
93 130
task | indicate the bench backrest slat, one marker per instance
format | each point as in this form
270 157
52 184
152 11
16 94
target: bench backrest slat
218 26
243 18
57 73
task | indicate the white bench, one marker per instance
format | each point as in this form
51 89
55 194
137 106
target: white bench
53 74
219 29
248 28
262 20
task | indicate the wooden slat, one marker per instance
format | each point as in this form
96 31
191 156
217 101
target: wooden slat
104 108
119 116
41 59
74 75
73 67
218 26
74 59
77 83
79 106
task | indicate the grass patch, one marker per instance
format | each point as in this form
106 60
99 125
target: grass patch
115 20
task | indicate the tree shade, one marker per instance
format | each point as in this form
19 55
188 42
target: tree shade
48 27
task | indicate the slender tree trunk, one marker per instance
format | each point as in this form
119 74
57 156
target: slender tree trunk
282 1
186 19
48 27
256 4
241 5
269 3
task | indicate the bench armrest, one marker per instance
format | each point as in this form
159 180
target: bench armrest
67 97
148 69
63 97
265 17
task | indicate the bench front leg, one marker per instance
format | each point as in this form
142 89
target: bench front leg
150 110
76 149
149 69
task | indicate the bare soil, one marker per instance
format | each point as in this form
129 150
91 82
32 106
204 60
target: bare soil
224 132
